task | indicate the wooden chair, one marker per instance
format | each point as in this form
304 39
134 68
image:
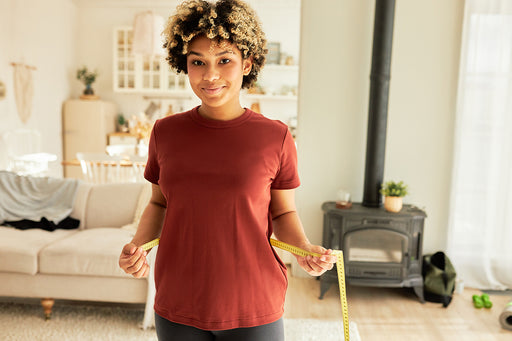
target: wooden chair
138 166
100 168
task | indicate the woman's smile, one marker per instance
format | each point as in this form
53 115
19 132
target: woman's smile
213 90
215 71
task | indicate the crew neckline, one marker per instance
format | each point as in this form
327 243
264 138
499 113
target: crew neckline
211 123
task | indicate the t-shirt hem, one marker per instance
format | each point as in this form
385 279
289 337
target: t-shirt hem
220 325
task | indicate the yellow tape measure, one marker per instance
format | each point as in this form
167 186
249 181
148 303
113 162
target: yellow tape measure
341 276
151 244
303 253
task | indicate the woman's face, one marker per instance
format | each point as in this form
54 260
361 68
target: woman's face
215 71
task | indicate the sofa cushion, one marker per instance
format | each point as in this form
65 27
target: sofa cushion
111 205
19 248
144 197
89 252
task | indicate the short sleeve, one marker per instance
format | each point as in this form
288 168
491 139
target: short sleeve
287 176
152 170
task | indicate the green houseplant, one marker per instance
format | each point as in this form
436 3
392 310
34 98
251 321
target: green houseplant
393 193
121 123
87 78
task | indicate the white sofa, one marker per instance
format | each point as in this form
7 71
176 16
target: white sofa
79 264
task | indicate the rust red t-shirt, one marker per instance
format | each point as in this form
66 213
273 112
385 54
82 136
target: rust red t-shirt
215 268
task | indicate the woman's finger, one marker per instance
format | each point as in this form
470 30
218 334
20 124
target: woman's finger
139 262
141 272
320 264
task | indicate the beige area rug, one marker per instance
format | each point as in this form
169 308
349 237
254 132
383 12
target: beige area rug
75 321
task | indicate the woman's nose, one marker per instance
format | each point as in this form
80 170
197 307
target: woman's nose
211 74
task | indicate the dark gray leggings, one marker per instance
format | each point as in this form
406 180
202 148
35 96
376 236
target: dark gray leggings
170 331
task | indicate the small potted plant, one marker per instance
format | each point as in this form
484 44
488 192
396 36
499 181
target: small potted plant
121 124
87 78
393 193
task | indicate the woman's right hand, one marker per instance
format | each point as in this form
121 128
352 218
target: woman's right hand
133 261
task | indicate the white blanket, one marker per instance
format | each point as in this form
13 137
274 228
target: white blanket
27 197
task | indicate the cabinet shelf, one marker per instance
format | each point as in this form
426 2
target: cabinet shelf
279 67
170 94
271 97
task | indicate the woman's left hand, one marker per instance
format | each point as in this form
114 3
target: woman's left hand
315 266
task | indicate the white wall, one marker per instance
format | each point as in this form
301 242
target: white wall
333 105
41 34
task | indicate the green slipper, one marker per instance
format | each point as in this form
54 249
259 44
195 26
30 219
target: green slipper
486 301
477 301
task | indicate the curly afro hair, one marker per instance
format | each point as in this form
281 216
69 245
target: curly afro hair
224 20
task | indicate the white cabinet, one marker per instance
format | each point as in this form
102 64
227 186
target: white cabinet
143 74
279 101
85 127
279 82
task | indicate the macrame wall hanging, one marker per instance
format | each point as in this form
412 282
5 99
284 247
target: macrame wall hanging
23 89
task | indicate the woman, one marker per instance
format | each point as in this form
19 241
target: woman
223 180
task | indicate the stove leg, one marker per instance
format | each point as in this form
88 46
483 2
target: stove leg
324 286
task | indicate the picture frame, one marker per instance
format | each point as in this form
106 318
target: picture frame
274 53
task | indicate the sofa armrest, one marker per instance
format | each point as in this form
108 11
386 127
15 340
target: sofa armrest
111 205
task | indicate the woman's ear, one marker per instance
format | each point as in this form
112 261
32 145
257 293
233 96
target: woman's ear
247 64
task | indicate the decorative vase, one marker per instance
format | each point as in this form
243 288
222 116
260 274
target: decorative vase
88 90
89 93
393 204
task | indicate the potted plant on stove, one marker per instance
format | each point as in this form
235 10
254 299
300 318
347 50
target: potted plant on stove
393 193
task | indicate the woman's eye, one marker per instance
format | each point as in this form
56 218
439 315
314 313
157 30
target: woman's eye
197 63
225 61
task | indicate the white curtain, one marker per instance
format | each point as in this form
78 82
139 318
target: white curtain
480 227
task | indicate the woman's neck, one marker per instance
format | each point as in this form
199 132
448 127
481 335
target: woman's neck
221 113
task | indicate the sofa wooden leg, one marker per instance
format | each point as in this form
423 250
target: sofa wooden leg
47 304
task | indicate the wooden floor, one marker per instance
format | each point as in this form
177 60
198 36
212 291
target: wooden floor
396 313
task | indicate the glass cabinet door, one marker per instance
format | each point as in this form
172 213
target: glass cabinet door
124 61
151 74
177 82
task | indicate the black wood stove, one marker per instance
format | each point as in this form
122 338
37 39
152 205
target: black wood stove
380 249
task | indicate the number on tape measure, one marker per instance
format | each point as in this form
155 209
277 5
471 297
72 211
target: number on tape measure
303 253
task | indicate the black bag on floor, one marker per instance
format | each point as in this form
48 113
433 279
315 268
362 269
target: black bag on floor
438 278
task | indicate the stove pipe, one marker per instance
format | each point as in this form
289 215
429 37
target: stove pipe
378 108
